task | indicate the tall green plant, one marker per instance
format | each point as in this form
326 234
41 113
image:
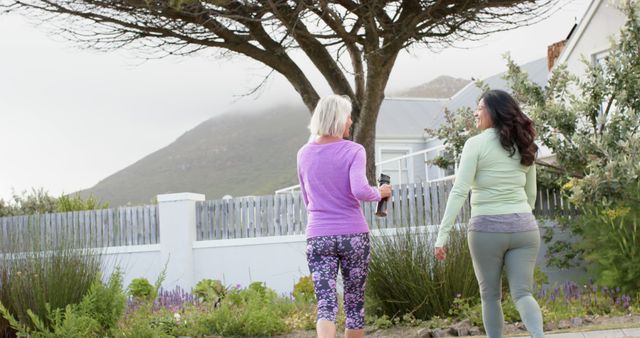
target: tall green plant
405 278
612 241
37 272
95 316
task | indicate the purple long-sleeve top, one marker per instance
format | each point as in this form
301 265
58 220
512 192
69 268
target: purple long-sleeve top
332 181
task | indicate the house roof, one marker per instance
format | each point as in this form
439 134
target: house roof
406 118
468 96
577 32
402 118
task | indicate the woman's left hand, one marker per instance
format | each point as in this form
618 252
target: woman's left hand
441 253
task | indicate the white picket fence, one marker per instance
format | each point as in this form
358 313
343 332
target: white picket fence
238 241
93 228
416 204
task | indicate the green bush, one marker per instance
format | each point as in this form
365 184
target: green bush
303 290
254 311
467 308
142 289
611 241
105 303
40 274
210 290
405 278
95 316
140 323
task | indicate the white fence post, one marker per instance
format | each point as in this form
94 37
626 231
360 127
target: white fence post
177 235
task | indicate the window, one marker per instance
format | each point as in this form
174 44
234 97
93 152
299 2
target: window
433 171
450 170
598 59
397 170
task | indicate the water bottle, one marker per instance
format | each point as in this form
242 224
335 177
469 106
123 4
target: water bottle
381 210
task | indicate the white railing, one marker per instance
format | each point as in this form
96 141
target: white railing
398 159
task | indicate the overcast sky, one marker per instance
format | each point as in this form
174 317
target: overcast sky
71 117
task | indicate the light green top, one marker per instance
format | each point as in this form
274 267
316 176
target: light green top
499 184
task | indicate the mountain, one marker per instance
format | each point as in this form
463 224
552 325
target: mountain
234 154
440 87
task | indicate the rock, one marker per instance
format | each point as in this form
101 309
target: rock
520 326
461 328
423 333
551 326
440 333
475 331
576 321
564 324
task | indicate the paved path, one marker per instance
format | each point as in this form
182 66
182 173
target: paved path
616 333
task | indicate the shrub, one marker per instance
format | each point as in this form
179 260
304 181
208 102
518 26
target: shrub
254 311
611 241
43 275
141 289
405 278
210 290
303 290
95 316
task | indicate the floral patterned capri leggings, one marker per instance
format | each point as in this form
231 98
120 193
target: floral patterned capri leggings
350 253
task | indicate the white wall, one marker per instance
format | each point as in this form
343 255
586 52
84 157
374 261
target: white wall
279 261
602 21
134 261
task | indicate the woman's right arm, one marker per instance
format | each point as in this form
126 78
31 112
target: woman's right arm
530 186
464 178
360 187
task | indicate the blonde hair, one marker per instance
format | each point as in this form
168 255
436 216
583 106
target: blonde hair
330 116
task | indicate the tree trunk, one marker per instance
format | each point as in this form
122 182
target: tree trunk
378 70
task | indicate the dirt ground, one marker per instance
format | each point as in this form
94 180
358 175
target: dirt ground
581 324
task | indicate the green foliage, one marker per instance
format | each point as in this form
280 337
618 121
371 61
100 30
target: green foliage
405 278
66 203
612 241
39 274
591 123
38 201
141 289
303 290
458 127
142 323
254 311
467 308
382 322
95 316
105 302
210 290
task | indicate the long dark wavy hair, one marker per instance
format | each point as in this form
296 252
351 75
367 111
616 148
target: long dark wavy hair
515 129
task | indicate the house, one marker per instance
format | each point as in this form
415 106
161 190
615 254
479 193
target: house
401 140
402 147
401 121
591 38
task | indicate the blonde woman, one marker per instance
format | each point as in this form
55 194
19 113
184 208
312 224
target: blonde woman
333 181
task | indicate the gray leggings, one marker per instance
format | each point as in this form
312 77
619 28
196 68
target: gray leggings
516 253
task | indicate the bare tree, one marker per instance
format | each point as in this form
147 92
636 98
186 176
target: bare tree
367 34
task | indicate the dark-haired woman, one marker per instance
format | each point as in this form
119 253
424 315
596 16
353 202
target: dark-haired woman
498 167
